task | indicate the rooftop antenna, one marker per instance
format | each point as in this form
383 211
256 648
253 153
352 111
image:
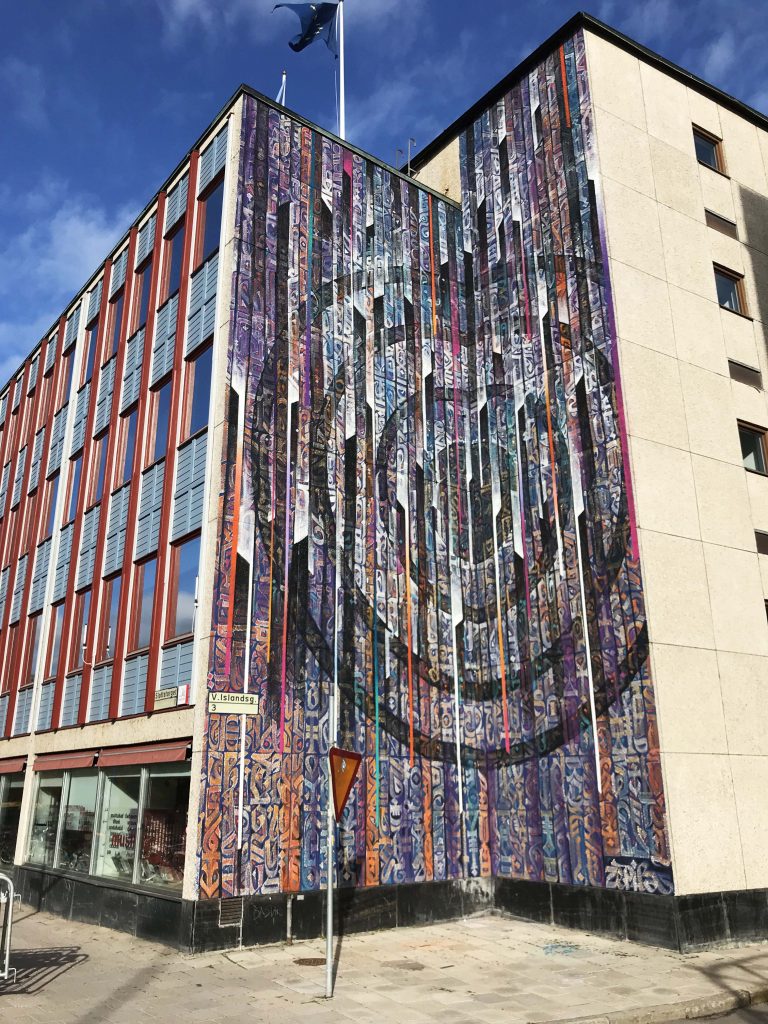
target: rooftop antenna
399 153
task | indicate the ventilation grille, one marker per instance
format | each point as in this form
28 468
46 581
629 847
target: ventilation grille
231 913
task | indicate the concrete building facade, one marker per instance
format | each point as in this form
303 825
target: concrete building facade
465 472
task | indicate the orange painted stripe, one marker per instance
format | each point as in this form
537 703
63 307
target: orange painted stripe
565 89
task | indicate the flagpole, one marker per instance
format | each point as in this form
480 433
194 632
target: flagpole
342 107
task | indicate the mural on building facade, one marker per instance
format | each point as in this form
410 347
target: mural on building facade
425 499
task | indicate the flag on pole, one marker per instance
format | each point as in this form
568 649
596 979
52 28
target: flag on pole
317 22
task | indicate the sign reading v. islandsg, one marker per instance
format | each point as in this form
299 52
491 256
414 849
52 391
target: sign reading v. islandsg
233 703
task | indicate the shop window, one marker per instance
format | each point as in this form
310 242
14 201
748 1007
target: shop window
709 149
115 323
11 792
730 290
182 596
110 604
174 255
199 372
116 838
162 415
77 825
141 620
91 340
45 820
129 423
753 448
164 828
210 222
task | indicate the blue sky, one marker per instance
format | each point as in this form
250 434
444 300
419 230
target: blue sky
100 99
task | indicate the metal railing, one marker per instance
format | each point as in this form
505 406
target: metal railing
7 897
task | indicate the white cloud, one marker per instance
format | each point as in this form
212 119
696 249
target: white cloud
24 86
61 239
719 57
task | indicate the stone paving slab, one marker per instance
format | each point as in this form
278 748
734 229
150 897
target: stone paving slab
483 970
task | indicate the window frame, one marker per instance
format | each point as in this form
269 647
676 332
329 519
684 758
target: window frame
741 294
717 144
171 637
202 219
190 375
169 247
759 432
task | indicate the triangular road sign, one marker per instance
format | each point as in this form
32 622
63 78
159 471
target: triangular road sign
344 765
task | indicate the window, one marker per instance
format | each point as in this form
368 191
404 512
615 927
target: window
123 823
199 390
752 448
77 824
761 542
164 828
173 260
162 412
79 629
54 642
11 791
210 222
32 652
116 839
53 492
90 358
144 279
721 224
730 290
100 464
141 618
45 820
69 367
709 150
185 559
744 374
110 604
75 473
129 442
115 322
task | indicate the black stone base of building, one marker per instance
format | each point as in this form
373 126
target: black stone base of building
683 923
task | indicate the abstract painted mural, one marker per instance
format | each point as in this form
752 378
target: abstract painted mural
426 509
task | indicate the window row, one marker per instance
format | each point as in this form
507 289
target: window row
181 609
127 824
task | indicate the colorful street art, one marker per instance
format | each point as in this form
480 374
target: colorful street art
426 501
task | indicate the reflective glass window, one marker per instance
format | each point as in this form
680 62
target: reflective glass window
116 838
45 820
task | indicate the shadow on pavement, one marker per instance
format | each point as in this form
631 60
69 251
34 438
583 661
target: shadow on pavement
37 968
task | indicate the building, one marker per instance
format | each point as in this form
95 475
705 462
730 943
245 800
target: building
482 451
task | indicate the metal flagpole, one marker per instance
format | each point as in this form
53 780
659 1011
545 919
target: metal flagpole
342 108
281 94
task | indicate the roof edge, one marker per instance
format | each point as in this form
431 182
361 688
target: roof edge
583 20
242 90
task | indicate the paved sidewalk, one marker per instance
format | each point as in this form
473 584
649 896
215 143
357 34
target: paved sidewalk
485 969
